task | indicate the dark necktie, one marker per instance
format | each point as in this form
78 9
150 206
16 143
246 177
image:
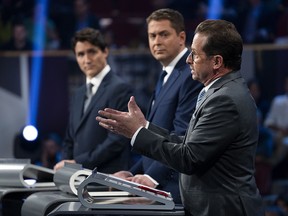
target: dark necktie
89 95
160 83
200 97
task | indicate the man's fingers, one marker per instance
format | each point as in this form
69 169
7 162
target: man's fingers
109 114
106 123
112 111
132 105
105 126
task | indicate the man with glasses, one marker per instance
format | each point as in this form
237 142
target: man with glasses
216 157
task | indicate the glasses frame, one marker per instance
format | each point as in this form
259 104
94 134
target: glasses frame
192 54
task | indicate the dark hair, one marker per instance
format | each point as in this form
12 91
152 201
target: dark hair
222 39
91 35
176 19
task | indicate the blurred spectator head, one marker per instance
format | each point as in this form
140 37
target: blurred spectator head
254 88
81 8
19 33
282 202
51 148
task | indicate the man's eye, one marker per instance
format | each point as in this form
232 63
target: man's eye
92 51
164 34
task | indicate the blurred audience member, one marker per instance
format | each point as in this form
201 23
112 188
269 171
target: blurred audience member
81 17
277 121
257 20
282 203
5 23
277 118
279 207
282 23
51 40
262 104
265 148
264 158
51 150
19 40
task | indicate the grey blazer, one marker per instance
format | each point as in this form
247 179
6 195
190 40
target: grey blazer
216 156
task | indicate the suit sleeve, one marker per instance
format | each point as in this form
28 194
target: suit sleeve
68 142
207 137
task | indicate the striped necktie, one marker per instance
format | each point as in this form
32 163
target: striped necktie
200 97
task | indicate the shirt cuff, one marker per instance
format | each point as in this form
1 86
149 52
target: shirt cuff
136 133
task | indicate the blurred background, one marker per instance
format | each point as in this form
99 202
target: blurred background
38 71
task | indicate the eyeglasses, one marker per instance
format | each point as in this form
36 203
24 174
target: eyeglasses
193 55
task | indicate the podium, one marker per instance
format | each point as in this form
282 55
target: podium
141 200
86 192
18 180
140 197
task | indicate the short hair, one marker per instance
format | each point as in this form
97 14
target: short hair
176 19
222 39
90 35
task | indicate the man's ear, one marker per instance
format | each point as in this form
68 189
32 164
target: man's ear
218 61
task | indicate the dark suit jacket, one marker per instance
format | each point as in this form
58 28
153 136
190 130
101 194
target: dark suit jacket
90 144
172 110
216 157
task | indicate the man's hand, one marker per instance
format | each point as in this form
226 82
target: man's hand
124 123
142 179
123 174
60 164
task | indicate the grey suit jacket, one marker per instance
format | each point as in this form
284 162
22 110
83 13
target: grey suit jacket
86 141
216 156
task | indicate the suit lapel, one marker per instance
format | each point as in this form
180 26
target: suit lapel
79 103
215 87
100 92
165 90
167 87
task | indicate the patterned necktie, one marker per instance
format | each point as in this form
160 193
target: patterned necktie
200 97
89 95
160 83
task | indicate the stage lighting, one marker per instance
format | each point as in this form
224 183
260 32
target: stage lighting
30 133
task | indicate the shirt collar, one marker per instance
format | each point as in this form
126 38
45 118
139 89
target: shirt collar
96 80
169 68
210 84
172 64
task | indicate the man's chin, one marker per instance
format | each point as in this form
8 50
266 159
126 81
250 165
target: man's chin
159 56
193 76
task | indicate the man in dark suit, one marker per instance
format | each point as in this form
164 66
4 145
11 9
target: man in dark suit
216 156
173 106
86 142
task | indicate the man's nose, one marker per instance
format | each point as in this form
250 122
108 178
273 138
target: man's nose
189 59
87 58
